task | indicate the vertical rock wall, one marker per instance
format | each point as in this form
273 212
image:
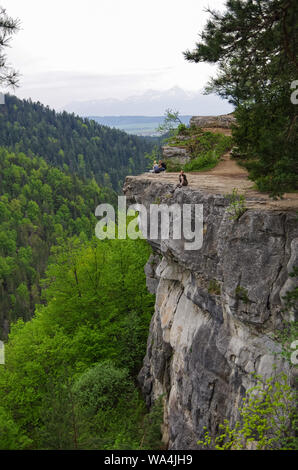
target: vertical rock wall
216 310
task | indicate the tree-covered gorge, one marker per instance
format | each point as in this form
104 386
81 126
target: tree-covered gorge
80 146
39 206
69 379
74 311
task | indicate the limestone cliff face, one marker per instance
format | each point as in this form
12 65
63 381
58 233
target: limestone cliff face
216 309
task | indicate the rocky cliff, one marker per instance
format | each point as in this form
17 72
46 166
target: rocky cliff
216 308
224 121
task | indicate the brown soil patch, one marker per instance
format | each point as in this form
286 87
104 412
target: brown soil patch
222 179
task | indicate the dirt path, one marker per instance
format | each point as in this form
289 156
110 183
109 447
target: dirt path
227 167
222 179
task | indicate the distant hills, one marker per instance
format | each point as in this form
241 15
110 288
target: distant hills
153 103
76 145
137 125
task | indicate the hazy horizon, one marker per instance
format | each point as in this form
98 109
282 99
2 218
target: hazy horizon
153 103
108 50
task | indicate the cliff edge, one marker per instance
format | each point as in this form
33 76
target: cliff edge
217 308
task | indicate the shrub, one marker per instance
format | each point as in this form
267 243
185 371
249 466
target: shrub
205 148
182 129
237 205
203 162
100 387
268 419
214 287
11 436
152 427
241 294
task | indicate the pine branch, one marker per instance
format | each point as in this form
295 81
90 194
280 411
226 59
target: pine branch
8 27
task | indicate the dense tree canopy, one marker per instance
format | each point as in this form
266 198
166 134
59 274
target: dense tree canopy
74 312
81 146
77 334
39 206
69 377
49 175
255 44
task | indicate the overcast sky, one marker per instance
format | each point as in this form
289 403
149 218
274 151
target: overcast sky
73 50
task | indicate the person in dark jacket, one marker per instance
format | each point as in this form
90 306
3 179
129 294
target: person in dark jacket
162 166
155 168
182 180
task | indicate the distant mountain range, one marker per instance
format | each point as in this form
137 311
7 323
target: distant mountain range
153 103
137 125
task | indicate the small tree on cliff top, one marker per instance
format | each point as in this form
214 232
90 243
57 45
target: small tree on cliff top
171 121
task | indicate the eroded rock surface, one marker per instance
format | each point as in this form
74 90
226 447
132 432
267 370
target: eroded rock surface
177 155
216 309
223 121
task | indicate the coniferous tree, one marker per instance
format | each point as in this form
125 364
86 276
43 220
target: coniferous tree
39 206
254 42
76 145
8 27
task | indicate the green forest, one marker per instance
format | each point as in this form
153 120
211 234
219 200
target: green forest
55 168
69 380
73 144
75 311
40 206
70 374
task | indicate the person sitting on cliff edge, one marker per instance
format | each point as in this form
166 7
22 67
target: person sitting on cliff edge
162 165
155 168
182 180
